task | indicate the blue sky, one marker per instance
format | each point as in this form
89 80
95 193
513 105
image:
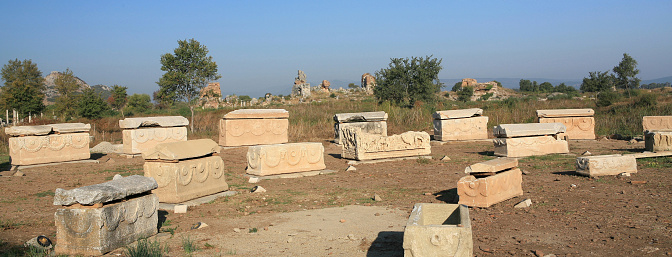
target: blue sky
260 45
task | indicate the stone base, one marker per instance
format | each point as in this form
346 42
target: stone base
658 141
17 167
437 229
187 179
484 192
389 160
529 146
197 201
605 165
293 175
461 129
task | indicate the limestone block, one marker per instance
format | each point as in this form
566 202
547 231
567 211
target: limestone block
456 114
182 150
360 117
96 231
139 140
70 127
38 130
560 113
528 129
29 150
657 122
187 179
238 132
264 160
461 129
161 121
436 229
372 127
605 165
529 146
360 145
658 141
257 114
484 192
577 127
493 165
105 192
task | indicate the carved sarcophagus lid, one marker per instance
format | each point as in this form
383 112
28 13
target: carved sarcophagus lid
558 113
494 165
257 114
528 129
457 114
657 123
52 143
360 117
161 121
105 192
182 150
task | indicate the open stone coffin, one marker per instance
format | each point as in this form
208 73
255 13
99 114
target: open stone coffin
141 134
580 123
370 122
490 182
254 127
359 145
185 170
605 165
528 139
455 125
266 160
52 143
435 229
99 218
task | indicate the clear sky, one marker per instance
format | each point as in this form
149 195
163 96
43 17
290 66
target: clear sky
260 45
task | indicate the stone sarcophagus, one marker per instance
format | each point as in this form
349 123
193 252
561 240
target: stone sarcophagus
369 122
185 170
97 219
266 160
254 127
490 182
658 140
455 125
52 143
359 145
140 134
580 123
605 165
437 229
521 140
657 123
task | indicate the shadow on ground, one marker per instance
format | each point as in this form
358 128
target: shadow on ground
447 196
388 243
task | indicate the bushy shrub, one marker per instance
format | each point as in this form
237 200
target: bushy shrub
606 98
647 100
465 94
457 87
486 96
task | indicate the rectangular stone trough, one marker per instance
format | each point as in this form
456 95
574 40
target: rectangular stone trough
658 140
29 145
456 125
521 140
606 165
359 145
580 123
254 127
369 122
486 191
141 134
435 229
266 160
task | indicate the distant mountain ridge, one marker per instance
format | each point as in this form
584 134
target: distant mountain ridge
50 92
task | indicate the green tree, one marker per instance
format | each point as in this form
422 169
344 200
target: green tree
597 82
139 103
406 80
23 85
91 105
525 85
465 93
188 70
66 86
626 72
118 99
353 86
546 87
457 87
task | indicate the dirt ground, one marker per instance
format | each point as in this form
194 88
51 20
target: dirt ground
335 214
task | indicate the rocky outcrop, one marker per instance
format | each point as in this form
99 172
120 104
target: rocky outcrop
211 96
324 86
50 93
485 91
368 82
301 87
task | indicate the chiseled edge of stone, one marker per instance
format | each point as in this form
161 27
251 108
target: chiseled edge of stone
493 165
360 116
456 114
159 121
182 150
70 127
528 129
105 192
38 130
257 114
559 113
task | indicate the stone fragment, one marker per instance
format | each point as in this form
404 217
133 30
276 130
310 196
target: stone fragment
117 176
359 145
237 230
29 150
528 129
253 180
264 160
624 174
70 127
657 123
456 114
657 140
187 179
18 174
586 153
368 83
493 165
360 117
351 168
445 158
370 122
529 146
182 150
180 208
258 189
105 192
38 130
139 140
438 230
377 198
605 165
161 121
484 192
254 127
524 204
560 113
473 128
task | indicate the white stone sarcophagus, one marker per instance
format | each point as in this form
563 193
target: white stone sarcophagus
456 125
606 165
359 145
528 139
437 229
185 170
370 122
254 127
266 160
52 143
140 134
490 182
657 123
580 123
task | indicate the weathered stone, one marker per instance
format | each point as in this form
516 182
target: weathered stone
457 114
657 123
137 141
494 165
182 150
484 192
360 117
325 85
461 129
529 146
581 127
161 121
264 160
180 208
528 129
96 231
524 204
435 229
254 127
374 127
29 150
211 95
105 192
257 114
368 82
187 179
38 130
606 165
658 141
70 127
561 113
358 145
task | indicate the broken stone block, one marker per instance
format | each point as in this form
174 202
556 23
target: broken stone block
493 165
265 160
435 229
528 129
38 130
658 141
454 125
161 121
484 192
606 165
524 204
657 123
457 114
359 145
580 123
52 143
182 150
254 127
529 146
70 127
105 192
141 134
369 122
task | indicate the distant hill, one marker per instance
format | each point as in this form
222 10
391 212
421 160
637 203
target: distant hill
513 83
659 80
50 92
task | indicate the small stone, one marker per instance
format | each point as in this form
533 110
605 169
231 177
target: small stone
289 240
18 174
253 180
180 208
110 160
624 174
352 237
117 176
573 186
445 158
632 141
550 255
586 153
524 204
199 225
351 168
427 194
237 230
342 221
377 198
258 189
377 214
525 172
538 253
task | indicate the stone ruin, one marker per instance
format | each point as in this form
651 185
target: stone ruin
99 218
606 165
657 133
528 139
481 89
141 134
368 82
455 125
254 127
370 122
185 170
437 229
211 96
301 88
359 145
490 182
580 123
324 86
52 143
267 160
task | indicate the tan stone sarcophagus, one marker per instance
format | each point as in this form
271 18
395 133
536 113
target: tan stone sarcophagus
265 160
437 229
455 125
140 134
97 219
605 165
658 140
521 140
52 143
490 182
657 123
580 123
185 170
254 127
370 122
359 145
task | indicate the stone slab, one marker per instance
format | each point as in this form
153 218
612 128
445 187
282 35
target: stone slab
437 229
105 192
658 141
657 123
559 113
389 160
435 142
358 145
457 114
30 150
197 201
160 121
293 175
606 165
461 129
139 140
187 179
528 129
651 154
264 160
38 130
240 132
372 127
494 165
257 114
182 150
577 127
360 117
70 127
529 146
53 163
484 192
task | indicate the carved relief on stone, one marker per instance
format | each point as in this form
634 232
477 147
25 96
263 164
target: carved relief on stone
484 192
372 127
187 179
577 127
264 160
138 140
360 145
50 148
657 122
461 129
604 165
253 132
438 230
529 146
658 141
